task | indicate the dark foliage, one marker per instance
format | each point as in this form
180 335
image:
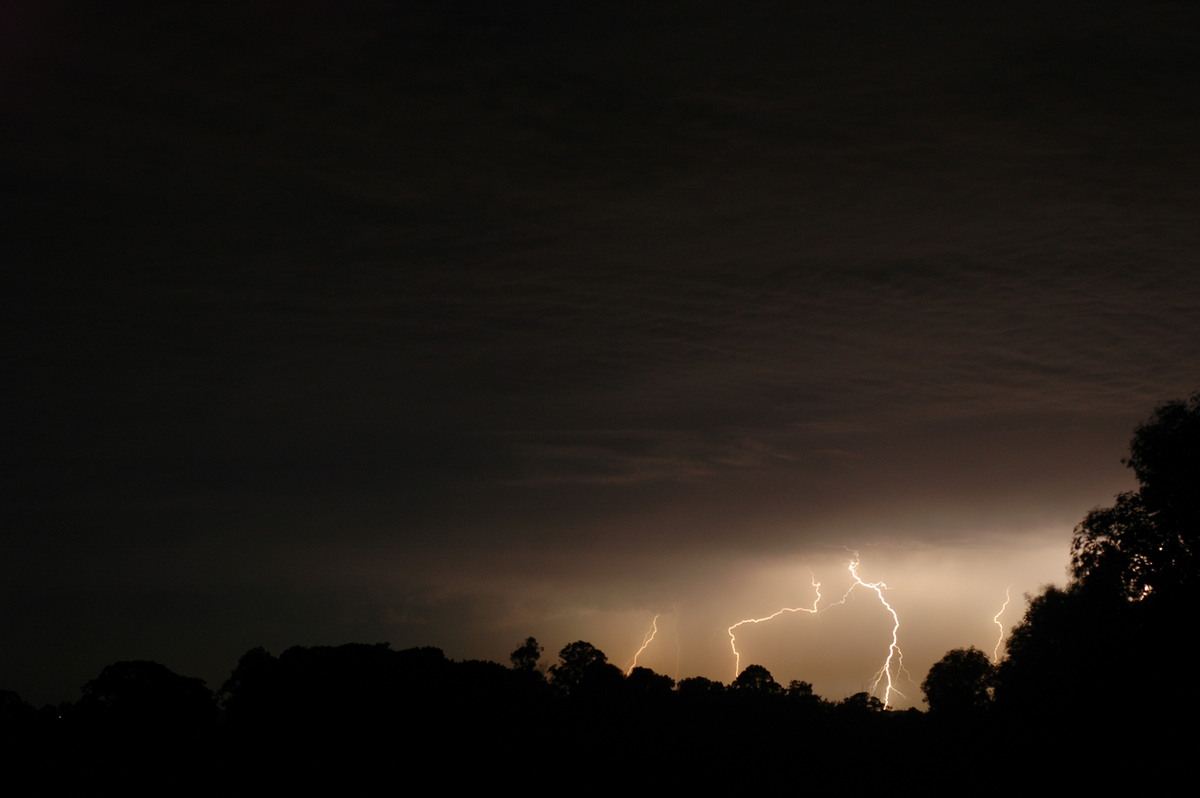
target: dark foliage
645 683
1147 545
1106 646
526 656
756 680
960 683
584 673
698 688
142 725
861 703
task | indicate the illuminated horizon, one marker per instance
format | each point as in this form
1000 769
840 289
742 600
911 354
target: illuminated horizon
943 599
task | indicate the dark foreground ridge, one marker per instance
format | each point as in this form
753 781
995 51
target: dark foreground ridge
1095 689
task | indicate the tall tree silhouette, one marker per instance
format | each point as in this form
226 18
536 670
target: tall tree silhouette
1135 568
1148 543
584 671
526 656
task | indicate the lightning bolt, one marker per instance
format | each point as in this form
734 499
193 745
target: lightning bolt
893 663
737 658
996 620
884 674
646 641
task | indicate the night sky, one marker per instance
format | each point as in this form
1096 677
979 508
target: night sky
452 323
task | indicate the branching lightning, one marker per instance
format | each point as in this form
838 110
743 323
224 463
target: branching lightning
884 674
893 664
996 620
737 658
646 641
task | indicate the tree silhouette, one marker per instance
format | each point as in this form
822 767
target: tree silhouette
757 680
799 689
584 670
1135 568
526 657
1065 653
144 727
699 688
861 704
147 697
1148 543
253 688
960 683
646 683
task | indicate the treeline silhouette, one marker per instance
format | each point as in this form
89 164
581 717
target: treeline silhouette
1097 688
339 718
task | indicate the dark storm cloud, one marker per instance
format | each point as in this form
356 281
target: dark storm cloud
743 252
477 295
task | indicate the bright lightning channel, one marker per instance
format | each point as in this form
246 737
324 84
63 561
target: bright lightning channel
893 663
996 620
884 674
813 610
646 641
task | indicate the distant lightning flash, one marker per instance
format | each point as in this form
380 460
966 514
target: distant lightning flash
646 641
996 620
737 658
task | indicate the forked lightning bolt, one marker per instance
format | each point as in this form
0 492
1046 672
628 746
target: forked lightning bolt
893 663
894 653
646 641
996 620
737 658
